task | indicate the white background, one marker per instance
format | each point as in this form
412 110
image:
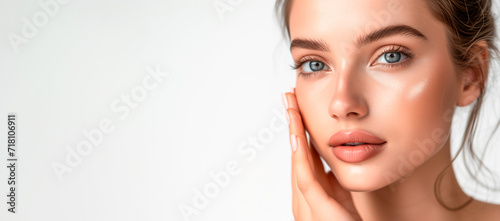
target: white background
226 72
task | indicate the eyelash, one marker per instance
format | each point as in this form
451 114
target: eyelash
297 65
397 49
393 48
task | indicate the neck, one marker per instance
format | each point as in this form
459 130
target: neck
413 197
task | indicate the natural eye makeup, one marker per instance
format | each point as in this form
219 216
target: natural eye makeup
388 57
309 66
393 56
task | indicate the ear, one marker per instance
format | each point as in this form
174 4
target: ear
474 76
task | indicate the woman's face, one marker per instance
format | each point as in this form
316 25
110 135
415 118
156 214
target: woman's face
378 66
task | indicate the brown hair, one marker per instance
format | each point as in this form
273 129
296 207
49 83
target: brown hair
467 22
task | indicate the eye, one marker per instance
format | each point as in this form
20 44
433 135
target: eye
391 57
313 66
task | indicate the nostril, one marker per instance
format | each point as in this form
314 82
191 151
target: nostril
348 115
352 114
347 108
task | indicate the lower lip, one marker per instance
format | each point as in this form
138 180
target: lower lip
356 154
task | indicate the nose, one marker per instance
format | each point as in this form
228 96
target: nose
348 100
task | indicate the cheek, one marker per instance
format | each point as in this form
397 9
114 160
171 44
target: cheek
419 114
313 106
310 104
411 110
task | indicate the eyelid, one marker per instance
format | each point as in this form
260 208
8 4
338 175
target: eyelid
384 49
393 48
300 62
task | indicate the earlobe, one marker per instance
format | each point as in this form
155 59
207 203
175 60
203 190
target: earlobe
474 76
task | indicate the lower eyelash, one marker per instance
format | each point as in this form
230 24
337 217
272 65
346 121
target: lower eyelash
396 49
297 66
399 64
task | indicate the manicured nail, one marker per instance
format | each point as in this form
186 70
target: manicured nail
292 90
293 141
285 101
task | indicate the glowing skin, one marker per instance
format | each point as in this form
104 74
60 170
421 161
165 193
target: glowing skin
401 87
402 105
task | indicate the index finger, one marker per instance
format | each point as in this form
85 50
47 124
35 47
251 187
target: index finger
302 160
296 125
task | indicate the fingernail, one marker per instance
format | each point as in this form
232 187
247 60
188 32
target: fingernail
285 101
293 141
285 107
292 90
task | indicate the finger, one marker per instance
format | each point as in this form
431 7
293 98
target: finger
299 205
319 169
342 196
296 127
309 194
296 200
339 193
297 134
316 197
301 210
302 164
317 163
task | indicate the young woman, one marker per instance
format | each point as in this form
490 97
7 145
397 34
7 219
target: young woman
377 85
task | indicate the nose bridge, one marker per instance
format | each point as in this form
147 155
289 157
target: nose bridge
347 100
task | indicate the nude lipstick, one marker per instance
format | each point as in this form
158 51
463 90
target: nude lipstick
354 146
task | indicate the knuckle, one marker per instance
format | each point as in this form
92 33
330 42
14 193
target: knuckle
304 185
303 177
295 115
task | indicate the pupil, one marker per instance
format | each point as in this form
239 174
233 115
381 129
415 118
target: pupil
392 57
316 66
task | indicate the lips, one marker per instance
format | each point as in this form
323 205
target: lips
354 146
353 138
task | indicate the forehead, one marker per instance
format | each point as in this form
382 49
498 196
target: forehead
342 20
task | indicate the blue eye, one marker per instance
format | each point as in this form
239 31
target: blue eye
391 57
313 66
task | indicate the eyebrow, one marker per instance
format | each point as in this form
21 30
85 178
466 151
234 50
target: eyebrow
312 44
388 31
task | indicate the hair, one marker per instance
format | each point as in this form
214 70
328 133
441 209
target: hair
467 22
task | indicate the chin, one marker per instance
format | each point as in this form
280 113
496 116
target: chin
362 177
362 186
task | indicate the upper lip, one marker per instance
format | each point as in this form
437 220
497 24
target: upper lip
353 136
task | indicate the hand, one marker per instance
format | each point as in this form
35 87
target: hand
316 195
